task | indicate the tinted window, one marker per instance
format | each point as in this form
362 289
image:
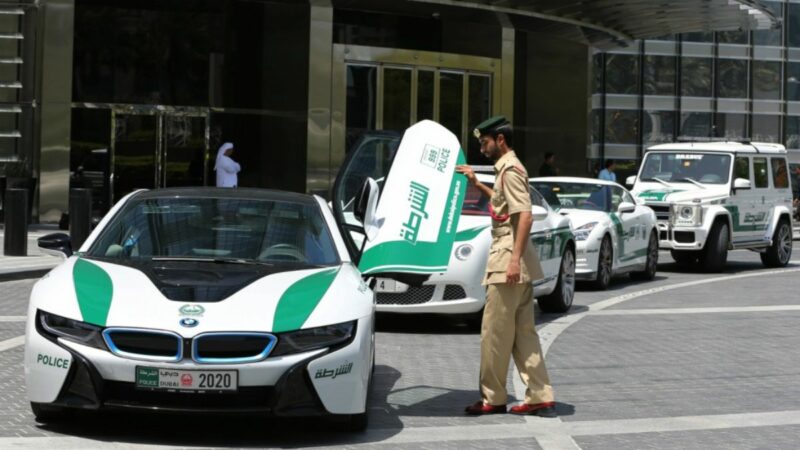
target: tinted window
685 167
741 168
587 196
780 175
760 169
211 228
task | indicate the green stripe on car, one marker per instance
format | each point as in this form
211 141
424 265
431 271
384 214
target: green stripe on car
94 290
300 299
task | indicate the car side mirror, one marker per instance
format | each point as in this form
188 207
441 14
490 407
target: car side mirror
630 181
366 206
56 244
741 183
538 212
626 207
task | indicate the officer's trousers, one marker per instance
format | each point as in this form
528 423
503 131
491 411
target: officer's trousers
508 330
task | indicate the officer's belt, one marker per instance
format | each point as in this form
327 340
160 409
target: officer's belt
501 231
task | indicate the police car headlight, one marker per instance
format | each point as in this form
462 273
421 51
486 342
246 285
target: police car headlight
687 215
53 326
463 252
314 338
582 233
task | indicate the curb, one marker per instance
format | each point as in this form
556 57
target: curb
24 274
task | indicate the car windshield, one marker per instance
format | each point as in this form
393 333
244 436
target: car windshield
683 167
588 196
217 229
475 204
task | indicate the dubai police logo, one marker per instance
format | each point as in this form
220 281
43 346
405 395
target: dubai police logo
418 200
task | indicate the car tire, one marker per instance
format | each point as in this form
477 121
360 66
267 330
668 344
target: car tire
560 300
47 413
685 257
780 252
474 320
651 264
715 254
605 265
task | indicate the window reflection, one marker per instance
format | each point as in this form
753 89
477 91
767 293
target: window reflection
769 37
731 126
659 75
396 99
766 80
361 100
696 77
658 127
597 73
732 37
695 124
700 36
732 78
766 128
793 81
793 28
622 126
792 132
622 74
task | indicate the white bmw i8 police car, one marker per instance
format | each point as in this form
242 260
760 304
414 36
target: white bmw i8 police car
613 233
458 289
222 300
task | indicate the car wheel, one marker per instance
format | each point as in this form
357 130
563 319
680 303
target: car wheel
684 257
651 265
560 300
604 264
715 254
779 253
358 422
47 413
474 320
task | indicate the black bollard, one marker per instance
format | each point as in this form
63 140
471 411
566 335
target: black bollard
15 239
80 216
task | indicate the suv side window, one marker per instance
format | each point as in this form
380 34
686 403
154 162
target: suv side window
780 174
741 168
760 170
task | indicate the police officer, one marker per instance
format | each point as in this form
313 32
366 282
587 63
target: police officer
508 326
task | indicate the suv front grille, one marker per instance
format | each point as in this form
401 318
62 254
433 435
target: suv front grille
662 211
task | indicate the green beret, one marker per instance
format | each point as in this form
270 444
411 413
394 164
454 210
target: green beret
489 125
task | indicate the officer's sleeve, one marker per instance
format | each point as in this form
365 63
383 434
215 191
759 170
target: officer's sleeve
515 188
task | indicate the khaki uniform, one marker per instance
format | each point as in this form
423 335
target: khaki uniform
508 324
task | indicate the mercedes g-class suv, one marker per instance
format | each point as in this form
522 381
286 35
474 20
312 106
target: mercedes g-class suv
712 197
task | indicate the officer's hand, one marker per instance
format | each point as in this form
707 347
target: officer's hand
468 172
512 273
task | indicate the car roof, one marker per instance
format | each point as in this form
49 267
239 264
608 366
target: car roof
723 147
582 180
231 193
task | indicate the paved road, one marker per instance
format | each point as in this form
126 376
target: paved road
687 361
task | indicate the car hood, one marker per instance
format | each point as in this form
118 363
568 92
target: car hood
580 217
108 294
686 192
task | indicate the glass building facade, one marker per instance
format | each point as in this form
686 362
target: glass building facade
735 85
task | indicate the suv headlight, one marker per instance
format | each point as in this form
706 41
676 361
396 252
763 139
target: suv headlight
53 326
686 215
582 233
314 338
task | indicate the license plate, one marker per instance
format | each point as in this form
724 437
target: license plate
186 380
387 285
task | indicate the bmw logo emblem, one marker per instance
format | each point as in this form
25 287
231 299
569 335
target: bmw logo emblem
188 322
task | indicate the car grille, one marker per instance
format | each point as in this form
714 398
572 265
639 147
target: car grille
144 344
232 347
684 237
662 211
454 292
413 296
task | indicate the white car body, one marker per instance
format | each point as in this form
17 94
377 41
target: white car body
116 297
756 214
459 289
629 227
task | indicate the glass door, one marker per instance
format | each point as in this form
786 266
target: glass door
184 156
135 149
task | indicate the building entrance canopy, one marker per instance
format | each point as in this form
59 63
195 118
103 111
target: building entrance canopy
608 23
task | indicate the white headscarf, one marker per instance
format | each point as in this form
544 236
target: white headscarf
221 152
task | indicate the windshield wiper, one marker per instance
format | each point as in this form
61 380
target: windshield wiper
659 180
691 180
211 260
